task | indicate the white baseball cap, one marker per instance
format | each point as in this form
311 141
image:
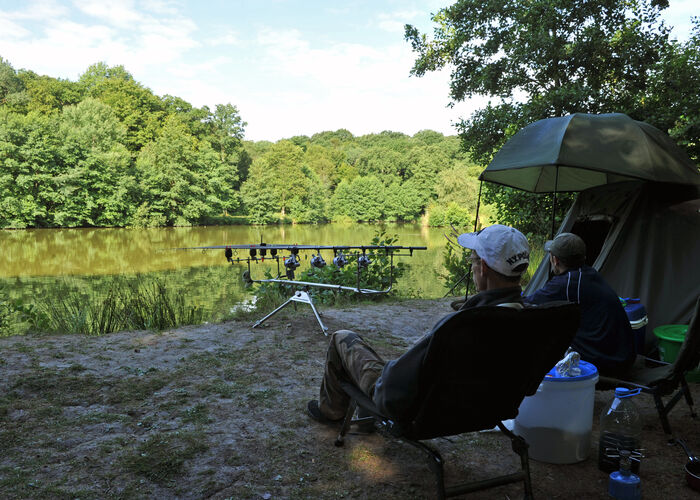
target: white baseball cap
503 248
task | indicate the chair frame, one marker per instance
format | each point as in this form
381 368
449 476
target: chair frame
424 421
387 428
667 385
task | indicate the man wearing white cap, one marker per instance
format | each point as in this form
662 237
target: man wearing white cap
500 255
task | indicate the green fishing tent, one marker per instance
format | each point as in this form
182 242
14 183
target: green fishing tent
580 151
638 208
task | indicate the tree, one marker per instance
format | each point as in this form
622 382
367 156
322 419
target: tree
551 58
275 180
48 95
97 184
311 207
10 83
227 129
31 160
673 101
404 201
172 175
361 199
136 106
384 163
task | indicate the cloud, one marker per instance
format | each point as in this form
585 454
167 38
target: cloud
394 22
37 10
228 38
11 31
342 85
678 15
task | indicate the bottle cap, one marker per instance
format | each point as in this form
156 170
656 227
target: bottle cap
624 392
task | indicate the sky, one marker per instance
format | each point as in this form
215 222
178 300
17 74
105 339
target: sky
291 67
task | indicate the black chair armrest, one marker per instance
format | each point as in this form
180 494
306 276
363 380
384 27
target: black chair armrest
362 399
654 362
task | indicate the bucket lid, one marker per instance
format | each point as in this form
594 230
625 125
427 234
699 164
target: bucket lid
674 333
588 371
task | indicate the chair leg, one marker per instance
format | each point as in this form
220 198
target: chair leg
436 465
340 440
688 397
662 410
520 447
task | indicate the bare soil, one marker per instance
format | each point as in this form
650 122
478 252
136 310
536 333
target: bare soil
218 411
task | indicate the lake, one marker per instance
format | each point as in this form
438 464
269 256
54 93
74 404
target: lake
38 263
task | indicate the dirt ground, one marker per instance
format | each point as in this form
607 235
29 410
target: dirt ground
217 411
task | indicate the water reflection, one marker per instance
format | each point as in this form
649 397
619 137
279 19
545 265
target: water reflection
38 263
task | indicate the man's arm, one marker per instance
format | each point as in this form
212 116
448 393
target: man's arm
554 289
397 387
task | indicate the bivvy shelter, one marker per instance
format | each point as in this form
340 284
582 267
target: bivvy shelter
644 238
638 209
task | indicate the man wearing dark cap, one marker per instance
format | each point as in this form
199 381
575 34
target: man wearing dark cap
605 337
500 255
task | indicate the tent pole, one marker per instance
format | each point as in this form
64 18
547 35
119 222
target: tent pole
468 276
554 202
476 222
478 203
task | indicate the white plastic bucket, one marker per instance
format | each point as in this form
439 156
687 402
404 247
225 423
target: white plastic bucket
557 420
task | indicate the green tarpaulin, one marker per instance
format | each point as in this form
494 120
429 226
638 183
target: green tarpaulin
580 151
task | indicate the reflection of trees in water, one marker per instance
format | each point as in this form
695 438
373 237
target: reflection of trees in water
213 289
39 256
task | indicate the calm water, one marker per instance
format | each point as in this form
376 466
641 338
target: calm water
39 262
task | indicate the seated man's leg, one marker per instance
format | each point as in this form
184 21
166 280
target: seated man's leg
348 358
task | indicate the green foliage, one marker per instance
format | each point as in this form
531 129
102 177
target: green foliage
127 305
15 315
30 150
452 214
554 58
361 199
105 151
377 276
455 261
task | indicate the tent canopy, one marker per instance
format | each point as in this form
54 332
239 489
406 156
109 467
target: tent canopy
580 151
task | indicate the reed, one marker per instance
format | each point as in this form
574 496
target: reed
127 305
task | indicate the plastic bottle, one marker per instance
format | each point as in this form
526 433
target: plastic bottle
620 429
624 484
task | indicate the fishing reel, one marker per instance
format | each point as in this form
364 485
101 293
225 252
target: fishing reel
340 260
317 261
363 261
290 264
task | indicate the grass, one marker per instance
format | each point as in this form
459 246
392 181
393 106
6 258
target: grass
161 457
127 305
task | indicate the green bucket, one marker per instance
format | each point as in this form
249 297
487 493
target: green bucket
671 338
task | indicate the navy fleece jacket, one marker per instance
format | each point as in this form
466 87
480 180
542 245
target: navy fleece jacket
605 337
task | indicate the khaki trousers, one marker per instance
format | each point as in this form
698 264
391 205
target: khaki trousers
351 359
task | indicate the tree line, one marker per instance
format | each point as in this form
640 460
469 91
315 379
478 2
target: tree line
558 57
105 151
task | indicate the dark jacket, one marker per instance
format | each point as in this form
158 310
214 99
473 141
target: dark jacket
397 386
605 337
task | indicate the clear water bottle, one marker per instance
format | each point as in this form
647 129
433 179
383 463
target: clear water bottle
624 484
620 429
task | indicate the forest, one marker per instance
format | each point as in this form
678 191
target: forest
106 151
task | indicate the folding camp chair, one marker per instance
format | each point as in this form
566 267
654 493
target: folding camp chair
480 365
662 379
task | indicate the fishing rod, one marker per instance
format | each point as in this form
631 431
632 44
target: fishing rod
362 254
